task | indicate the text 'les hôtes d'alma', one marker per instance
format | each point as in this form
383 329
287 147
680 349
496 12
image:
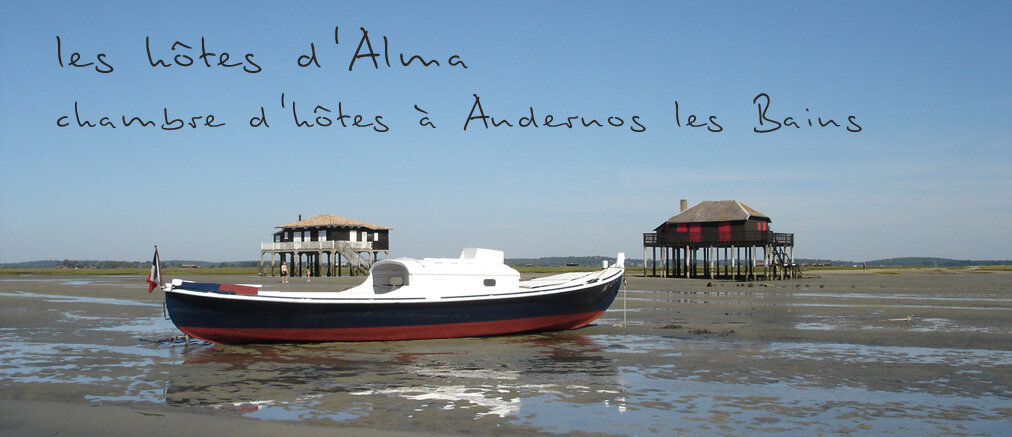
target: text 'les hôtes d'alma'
182 54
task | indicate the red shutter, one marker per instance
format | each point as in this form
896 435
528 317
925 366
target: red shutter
724 231
695 233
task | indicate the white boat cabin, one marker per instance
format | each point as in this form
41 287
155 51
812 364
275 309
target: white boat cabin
477 271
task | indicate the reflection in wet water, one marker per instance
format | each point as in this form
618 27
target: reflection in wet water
599 379
287 382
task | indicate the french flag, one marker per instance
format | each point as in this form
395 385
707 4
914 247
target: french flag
155 277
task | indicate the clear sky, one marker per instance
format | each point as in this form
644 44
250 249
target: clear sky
928 83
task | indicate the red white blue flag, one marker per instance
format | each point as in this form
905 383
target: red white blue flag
155 277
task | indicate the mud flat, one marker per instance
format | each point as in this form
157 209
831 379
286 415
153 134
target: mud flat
911 352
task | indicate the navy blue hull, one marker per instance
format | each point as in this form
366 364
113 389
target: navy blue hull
220 319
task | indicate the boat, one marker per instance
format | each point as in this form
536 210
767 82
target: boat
474 295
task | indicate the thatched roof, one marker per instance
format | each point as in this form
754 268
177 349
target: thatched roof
717 211
330 220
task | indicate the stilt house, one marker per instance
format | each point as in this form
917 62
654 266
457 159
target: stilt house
726 227
304 243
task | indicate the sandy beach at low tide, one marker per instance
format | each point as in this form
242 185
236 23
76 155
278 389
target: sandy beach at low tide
919 350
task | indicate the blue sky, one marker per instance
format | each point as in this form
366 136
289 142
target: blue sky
927 82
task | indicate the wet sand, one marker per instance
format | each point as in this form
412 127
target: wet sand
831 353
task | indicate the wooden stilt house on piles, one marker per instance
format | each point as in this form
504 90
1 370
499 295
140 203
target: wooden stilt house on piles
304 243
719 239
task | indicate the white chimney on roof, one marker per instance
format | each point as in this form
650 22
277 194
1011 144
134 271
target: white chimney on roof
684 205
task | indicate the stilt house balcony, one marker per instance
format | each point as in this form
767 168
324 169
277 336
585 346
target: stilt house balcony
294 246
734 239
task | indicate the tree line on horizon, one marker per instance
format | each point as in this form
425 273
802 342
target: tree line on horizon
113 264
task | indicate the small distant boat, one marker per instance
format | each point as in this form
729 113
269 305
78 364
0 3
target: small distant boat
401 299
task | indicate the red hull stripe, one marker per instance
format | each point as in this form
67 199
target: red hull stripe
239 289
385 333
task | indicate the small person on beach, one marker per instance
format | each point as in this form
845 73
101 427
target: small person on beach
284 273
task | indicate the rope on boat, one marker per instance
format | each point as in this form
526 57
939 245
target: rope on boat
185 336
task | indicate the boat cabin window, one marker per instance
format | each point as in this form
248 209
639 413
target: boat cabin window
388 277
490 282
